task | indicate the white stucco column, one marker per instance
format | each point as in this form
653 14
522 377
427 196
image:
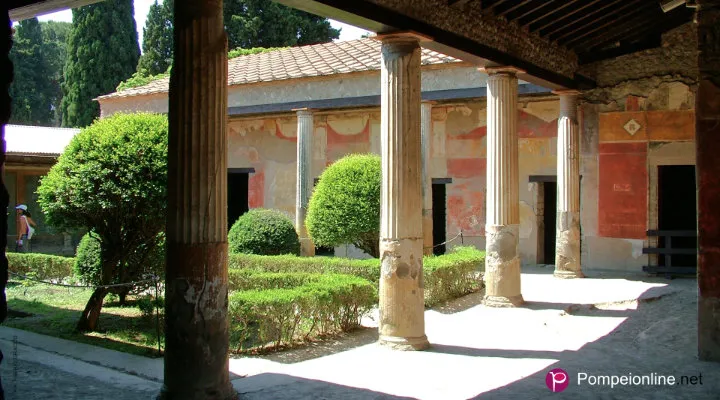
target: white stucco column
502 263
304 178
567 241
402 311
426 139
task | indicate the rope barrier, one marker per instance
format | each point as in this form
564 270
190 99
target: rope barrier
459 235
135 283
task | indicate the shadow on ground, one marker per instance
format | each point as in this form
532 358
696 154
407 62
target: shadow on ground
286 387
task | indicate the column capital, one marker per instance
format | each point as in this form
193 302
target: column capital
567 92
304 111
502 70
402 36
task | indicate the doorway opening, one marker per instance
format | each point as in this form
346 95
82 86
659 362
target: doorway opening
677 211
549 221
546 217
439 214
237 190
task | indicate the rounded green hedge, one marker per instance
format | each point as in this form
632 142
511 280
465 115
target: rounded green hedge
88 261
283 308
345 205
264 232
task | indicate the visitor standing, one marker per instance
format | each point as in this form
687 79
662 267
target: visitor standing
25 228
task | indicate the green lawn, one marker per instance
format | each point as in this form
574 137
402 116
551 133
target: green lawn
55 311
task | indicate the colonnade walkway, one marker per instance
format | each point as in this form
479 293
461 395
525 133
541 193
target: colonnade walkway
607 324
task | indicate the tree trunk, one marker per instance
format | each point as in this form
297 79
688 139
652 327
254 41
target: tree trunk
123 296
89 318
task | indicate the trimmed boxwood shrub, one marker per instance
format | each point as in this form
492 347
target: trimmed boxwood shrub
41 266
281 309
445 277
368 269
262 231
345 205
452 275
88 263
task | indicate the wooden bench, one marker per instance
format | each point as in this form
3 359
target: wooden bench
668 251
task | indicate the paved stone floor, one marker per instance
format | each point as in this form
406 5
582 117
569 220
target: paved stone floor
604 325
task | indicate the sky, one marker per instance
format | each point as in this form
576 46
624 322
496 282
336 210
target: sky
348 32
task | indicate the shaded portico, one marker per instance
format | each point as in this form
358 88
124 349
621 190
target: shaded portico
479 32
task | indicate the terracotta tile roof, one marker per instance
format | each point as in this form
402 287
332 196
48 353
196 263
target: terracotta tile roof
297 62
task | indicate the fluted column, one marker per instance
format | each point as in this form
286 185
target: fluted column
426 139
567 241
402 311
196 348
707 126
502 263
304 179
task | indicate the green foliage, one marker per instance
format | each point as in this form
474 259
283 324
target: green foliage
445 277
44 267
88 260
102 51
266 232
345 206
367 269
31 101
452 275
55 37
140 79
281 309
255 50
264 23
148 305
157 40
111 180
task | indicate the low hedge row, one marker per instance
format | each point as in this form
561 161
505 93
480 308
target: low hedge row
41 266
281 308
368 269
452 275
445 277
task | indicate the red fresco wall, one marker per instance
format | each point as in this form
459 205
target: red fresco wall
256 189
622 190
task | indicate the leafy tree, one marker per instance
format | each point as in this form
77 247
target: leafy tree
111 180
345 206
265 23
157 39
102 52
31 102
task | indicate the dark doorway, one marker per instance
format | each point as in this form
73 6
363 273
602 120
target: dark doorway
549 221
439 216
237 189
677 211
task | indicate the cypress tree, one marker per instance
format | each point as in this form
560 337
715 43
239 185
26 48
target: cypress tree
102 52
157 39
31 102
55 35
